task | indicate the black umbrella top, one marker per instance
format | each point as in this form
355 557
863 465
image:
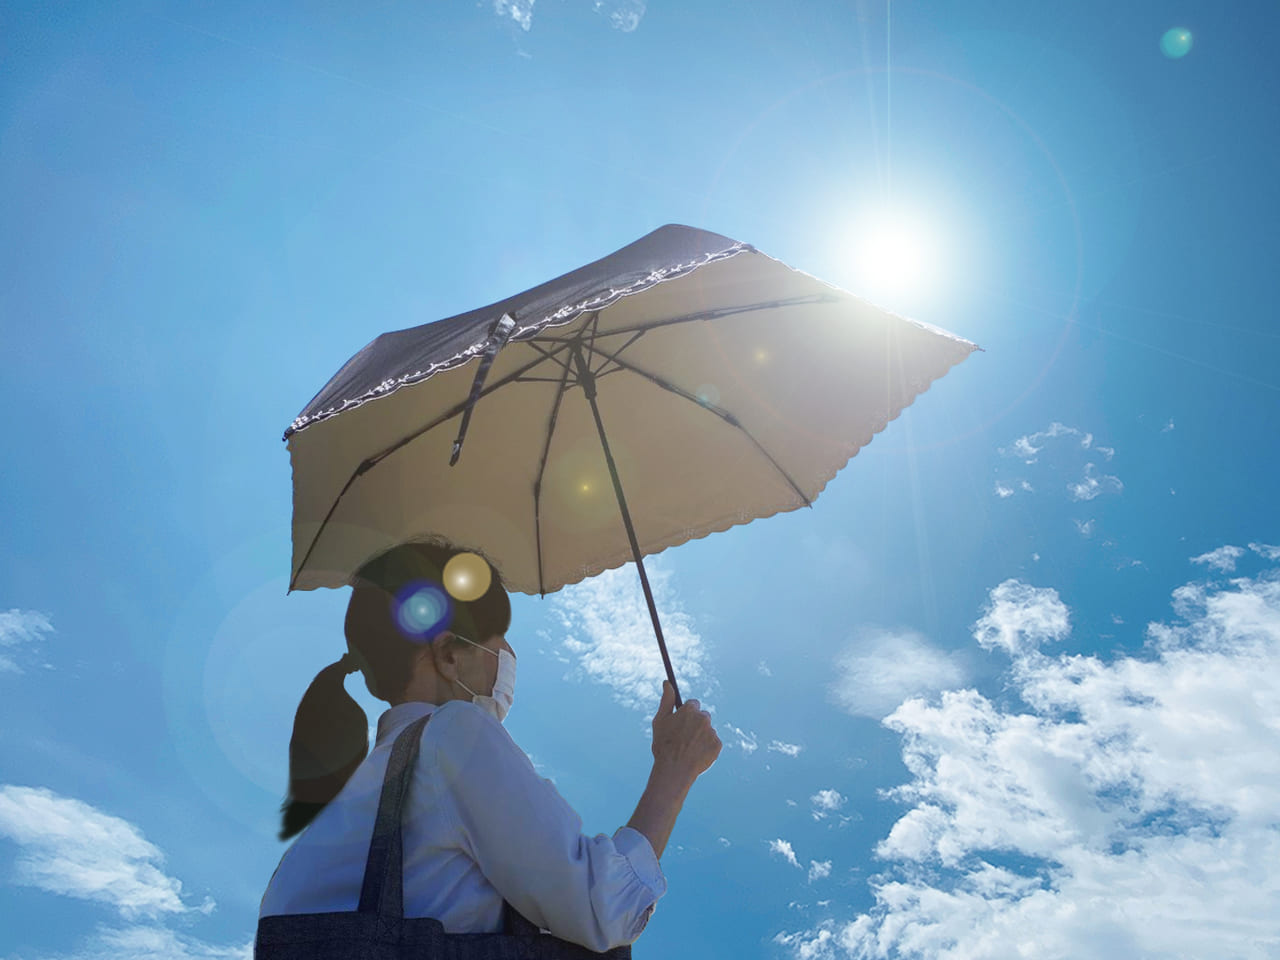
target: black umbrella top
402 357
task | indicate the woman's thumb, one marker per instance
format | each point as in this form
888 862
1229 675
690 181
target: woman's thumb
668 698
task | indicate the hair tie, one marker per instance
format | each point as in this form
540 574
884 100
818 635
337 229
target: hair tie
348 663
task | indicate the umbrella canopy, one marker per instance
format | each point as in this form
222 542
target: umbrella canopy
730 385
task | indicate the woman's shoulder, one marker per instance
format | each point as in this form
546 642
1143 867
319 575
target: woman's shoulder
461 725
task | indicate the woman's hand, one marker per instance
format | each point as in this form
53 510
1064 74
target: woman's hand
683 739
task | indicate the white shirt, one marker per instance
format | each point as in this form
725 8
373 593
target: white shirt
480 825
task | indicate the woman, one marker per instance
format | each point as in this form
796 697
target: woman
483 835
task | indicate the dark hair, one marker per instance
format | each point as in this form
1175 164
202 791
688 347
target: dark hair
330 731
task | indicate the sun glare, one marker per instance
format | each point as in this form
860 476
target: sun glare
895 259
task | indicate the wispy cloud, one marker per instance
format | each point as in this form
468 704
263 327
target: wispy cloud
746 742
1168 427
1028 447
149 942
1154 779
1093 484
609 635
1265 550
1066 439
624 15
520 11
790 749
70 848
22 632
882 668
783 847
1223 559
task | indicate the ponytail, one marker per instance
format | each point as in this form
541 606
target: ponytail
330 739
330 731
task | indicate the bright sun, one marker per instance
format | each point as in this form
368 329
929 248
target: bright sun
896 258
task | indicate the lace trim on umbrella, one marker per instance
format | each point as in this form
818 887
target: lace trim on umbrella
525 331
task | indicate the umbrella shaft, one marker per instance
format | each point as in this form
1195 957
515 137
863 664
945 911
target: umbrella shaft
588 381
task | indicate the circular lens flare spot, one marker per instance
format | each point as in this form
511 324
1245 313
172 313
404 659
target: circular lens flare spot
422 610
467 577
708 394
1176 43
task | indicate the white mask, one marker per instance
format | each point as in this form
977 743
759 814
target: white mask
498 705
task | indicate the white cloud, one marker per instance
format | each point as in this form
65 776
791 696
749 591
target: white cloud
819 871
1028 447
784 847
763 669
70 848
1168 427
1084 527
1019 617
883 668
790 749
1265 550
20 632
1003 492
1093 484
610 635
1223 559
746 742
624 15
724 842
1130 810
144 942
521 11
825 802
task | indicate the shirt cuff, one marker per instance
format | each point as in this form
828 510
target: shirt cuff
635 846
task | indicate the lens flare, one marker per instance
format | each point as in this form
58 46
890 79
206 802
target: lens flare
467 577
1176 43
708 394
423 610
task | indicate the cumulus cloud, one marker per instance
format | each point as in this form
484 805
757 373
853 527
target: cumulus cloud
825 802
783 847
882 668
21 634
1093 484
1003 492
1127 808
790 749
610 636
1019 617
1223 559
819 871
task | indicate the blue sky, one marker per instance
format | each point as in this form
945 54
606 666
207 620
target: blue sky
1055 574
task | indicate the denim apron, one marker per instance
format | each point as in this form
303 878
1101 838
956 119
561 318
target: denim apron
378 928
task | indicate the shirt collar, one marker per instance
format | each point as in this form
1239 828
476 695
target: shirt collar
400 716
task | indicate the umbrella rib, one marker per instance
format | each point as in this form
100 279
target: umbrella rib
542 466
721 412
812 298
370 462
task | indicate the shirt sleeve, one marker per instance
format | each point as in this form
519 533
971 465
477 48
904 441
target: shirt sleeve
595 891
